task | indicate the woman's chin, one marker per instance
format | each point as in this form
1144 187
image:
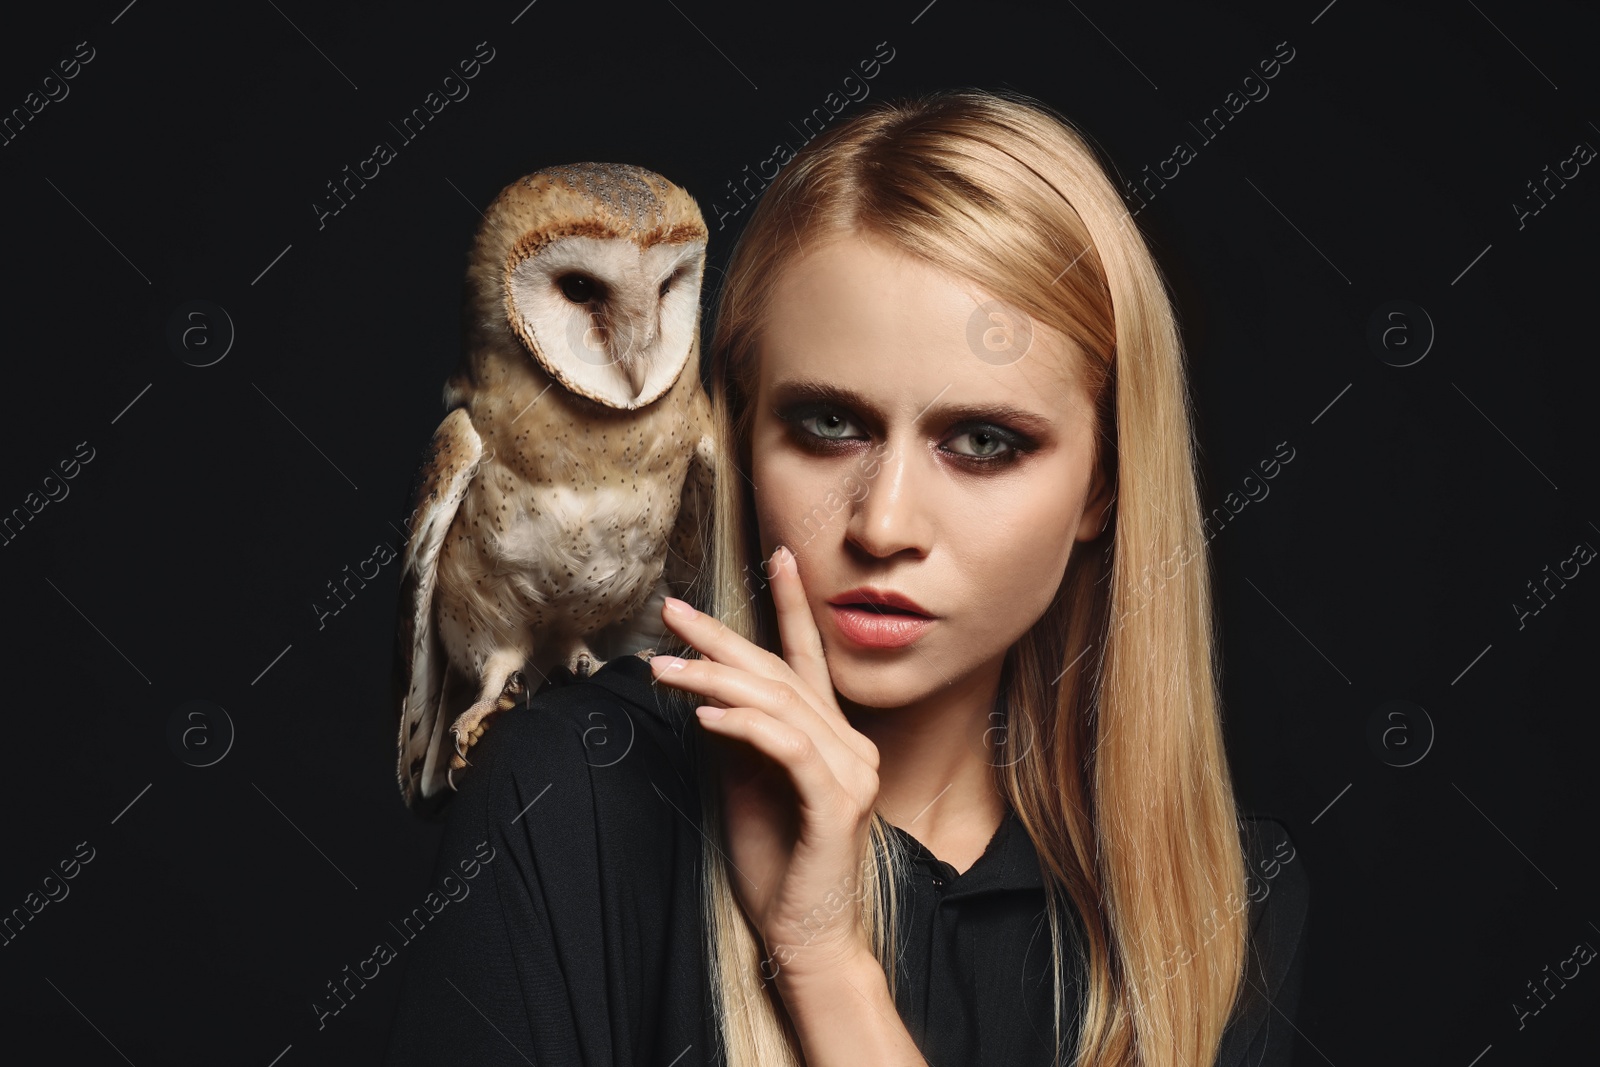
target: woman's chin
879 685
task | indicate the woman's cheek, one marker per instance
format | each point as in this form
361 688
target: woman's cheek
793 505
1022 562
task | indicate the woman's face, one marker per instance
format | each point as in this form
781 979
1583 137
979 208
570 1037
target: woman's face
889 451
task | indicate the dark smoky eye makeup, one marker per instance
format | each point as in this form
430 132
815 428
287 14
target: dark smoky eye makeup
821 429
828 417
1015 445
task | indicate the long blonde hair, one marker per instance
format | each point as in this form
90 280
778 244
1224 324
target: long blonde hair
1112 750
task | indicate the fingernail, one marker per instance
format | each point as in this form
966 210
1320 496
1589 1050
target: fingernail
662 664
706 711
679 608
784 558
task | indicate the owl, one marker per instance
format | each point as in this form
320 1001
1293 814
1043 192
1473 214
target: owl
566 492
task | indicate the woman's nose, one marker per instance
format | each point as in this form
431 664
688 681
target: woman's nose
894 513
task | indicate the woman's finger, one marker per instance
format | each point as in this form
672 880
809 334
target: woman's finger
733 687
707 635
793 749
797 629
802 649
718 643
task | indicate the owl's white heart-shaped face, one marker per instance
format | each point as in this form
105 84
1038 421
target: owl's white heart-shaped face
606 318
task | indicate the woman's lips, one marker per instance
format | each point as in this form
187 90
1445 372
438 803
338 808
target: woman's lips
878 628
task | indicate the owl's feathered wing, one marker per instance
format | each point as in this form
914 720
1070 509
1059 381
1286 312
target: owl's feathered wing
452 459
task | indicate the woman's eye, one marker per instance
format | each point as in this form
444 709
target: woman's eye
988 445
986 441
829 426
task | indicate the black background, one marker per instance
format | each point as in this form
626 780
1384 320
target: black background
1383 565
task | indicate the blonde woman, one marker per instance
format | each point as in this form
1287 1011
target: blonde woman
953 788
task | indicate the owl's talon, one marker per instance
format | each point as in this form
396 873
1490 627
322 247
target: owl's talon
469 727
581 662
514 688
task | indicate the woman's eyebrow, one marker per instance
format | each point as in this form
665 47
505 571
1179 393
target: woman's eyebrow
792 390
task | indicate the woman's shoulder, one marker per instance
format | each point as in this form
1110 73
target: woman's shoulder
605 714
1272 857
1278 888
1279 891
582 942
611 745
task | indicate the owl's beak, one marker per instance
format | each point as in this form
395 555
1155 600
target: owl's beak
634 335
634 368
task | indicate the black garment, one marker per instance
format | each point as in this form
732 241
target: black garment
975 985
583 946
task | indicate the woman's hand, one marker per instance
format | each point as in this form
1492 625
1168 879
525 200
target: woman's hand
795 838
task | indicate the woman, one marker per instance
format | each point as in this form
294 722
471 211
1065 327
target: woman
956 792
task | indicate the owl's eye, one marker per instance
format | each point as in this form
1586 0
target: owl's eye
578 288
666 283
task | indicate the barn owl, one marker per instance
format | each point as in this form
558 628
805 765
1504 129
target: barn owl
565 493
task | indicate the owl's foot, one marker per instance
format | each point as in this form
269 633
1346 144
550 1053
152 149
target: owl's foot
470 724
582 663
